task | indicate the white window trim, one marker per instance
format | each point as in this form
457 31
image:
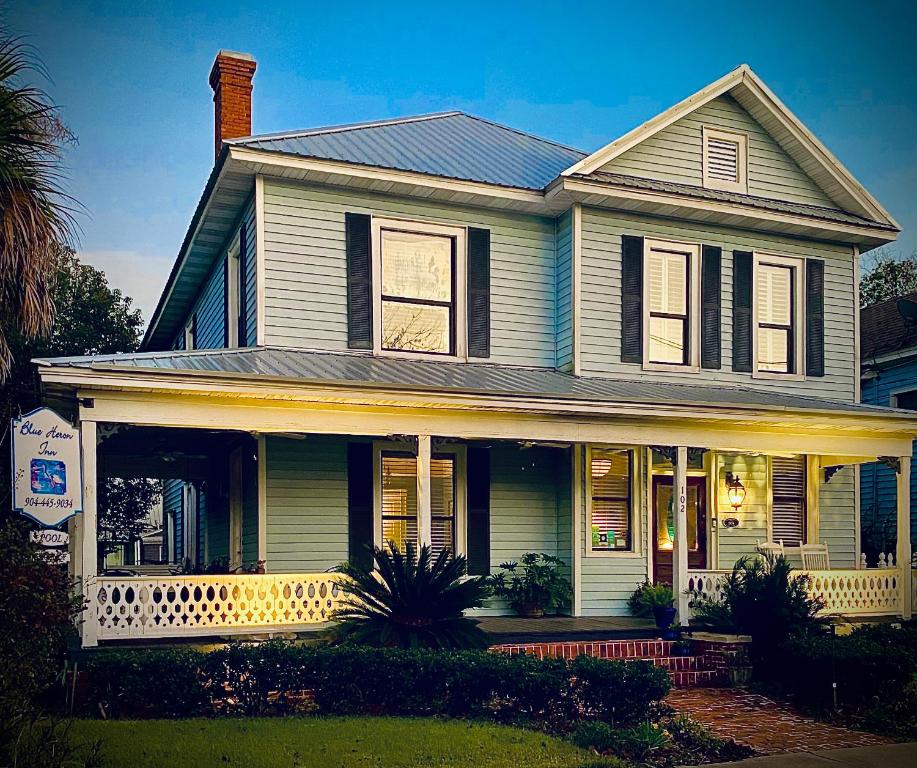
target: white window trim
461 331
189 334
741 140
636 505
799 321
461 503
694 250
232 288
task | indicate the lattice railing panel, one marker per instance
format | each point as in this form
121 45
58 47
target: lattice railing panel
175 606
858 593
845 591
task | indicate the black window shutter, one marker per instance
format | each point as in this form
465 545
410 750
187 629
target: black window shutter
711 291
194 342
815 317
631 299
242 333
478 510
226 318
359 281
741 311
360 504
478 292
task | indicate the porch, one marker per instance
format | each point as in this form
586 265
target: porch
621 480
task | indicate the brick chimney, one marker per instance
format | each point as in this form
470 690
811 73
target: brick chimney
231 81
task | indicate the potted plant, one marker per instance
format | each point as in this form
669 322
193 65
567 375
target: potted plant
681 647
656 600
533 585
739 668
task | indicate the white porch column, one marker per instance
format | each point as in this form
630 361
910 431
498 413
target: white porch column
578 522
90 549
424 516
903 558
680 545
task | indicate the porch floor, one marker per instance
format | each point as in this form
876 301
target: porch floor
514 629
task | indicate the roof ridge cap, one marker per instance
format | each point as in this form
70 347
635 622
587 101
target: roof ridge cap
344 127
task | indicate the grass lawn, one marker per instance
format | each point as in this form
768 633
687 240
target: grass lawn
313 742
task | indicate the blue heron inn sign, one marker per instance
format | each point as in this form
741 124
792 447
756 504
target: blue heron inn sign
47 472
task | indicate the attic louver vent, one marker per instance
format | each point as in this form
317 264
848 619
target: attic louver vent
724 160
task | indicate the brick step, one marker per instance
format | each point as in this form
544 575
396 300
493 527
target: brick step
696 678
609 649
679 663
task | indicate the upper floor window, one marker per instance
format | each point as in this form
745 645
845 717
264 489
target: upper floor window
725 160
777 311
671 303
611 509
419 288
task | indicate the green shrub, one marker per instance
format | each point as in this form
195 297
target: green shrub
762 597
618 691
868 670
353 680
147 683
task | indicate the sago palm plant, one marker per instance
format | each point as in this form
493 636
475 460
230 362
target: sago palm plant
35 213
410 600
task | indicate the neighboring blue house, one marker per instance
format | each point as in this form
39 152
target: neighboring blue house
888 349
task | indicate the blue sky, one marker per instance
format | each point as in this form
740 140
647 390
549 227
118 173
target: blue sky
131 80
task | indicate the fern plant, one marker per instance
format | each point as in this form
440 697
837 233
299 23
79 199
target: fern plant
410 600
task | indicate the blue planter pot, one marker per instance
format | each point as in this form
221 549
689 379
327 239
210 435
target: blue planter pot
664 618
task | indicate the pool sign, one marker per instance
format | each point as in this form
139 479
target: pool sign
47 476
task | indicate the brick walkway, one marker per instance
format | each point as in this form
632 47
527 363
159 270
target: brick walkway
761 723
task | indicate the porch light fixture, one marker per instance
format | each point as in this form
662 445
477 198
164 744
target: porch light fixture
735 491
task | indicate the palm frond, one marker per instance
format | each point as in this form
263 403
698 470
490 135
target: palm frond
36 214
412 599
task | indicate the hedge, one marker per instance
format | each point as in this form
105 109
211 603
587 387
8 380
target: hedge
279 677
870 665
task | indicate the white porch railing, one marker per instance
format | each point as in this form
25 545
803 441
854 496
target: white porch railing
850 592
183 606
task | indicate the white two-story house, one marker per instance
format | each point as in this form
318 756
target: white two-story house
438 329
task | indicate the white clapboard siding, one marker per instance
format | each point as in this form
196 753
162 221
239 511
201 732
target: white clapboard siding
307 503
739 542
837 518
676 154
305 271
601 307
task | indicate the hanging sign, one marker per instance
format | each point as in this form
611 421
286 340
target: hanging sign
47 475
49 537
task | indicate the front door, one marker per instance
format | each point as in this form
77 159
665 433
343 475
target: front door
664 525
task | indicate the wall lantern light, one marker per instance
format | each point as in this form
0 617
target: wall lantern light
735 491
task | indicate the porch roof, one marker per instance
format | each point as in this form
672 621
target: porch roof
356 371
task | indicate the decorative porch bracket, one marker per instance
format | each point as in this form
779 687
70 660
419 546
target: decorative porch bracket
892 462
832 471
671 452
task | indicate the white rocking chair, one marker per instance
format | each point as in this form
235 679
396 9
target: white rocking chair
815 557
774 548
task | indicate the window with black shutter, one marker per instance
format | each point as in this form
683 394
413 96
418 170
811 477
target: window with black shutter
788 488
777 313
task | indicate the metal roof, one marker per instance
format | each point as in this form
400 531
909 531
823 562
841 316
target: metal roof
446 144
764 203
360 370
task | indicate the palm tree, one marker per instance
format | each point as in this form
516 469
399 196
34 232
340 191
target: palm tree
411 600
36 216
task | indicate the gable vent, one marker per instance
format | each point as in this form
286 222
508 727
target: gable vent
725 160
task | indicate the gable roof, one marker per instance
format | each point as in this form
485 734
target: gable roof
773 115
886 330
451 145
